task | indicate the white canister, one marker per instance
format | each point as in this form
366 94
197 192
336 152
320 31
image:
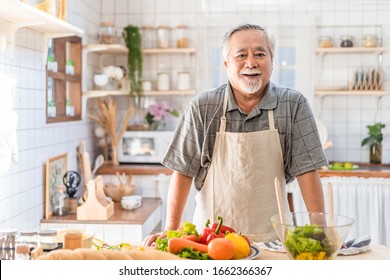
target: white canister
183 81
146 85
163 81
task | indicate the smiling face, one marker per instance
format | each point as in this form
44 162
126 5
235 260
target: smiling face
248 63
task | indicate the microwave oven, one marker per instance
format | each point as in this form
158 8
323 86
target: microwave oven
143 146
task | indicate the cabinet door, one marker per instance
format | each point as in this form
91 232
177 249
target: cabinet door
63 76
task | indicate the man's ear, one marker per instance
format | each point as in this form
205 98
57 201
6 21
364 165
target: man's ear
225 64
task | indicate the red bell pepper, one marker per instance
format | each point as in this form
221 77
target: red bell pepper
209 234
223 229
205 233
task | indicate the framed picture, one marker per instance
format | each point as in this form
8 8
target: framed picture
56 168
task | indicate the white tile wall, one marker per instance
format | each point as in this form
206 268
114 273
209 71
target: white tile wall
21 188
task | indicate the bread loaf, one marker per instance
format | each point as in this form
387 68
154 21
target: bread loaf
92 254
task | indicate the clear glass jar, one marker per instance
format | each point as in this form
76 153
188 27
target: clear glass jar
149 37
7 244
163 36
29 237
48 239
181 36
346 41
370 41
107 33
325 42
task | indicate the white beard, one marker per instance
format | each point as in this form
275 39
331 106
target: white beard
250 87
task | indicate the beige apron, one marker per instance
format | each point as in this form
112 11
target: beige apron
239 185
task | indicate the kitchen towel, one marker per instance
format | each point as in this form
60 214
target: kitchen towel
352 247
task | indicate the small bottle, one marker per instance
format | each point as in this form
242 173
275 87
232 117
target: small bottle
180 36
73 239
22 251
346 41
370 41
149 36
164 36
325 42
107 33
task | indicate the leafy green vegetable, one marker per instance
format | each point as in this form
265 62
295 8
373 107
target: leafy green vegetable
308 239
188 253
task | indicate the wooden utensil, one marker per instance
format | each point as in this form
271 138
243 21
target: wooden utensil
86 163
330 203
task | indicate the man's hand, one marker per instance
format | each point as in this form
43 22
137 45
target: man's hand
150 240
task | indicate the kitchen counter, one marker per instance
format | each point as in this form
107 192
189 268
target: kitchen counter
365 170
122 225
134 169
120 216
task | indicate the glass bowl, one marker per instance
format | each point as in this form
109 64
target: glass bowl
312 235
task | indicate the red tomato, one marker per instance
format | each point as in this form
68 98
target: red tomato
221 249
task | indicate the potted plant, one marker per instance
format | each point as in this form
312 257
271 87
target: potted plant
374 139
132 37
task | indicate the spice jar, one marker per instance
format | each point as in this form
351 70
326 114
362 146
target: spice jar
346 41
370 41
48 239
73 239
107 33
180 36
163 36
149 37
325 42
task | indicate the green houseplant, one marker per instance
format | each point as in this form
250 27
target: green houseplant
133 40
374 140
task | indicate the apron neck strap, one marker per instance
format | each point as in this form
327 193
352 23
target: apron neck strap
271 119
224 107
223 118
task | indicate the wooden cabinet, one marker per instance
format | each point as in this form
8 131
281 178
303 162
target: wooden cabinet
64 80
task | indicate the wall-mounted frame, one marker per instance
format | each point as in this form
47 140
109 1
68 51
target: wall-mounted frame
63 80
56 168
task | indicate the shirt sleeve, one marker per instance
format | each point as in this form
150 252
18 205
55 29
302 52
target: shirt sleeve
184 153
306 149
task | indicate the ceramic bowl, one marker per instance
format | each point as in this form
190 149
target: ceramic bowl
100 80
131 202
312 236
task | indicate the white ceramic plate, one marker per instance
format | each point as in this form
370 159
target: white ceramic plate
255 251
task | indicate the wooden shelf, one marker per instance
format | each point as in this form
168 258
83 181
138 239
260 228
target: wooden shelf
113 49
169 51
169 92
351 92
18 15
350 50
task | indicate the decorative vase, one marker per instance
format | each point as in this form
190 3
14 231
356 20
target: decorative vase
376 152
